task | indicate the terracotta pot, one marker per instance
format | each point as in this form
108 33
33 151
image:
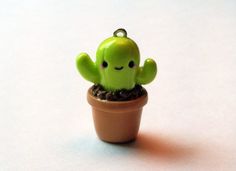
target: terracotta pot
116 121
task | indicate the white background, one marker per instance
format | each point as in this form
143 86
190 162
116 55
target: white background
189 122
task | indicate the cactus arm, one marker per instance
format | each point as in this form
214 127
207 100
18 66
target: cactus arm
146 73
87 68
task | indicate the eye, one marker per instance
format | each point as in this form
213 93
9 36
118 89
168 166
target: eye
104 64
131 64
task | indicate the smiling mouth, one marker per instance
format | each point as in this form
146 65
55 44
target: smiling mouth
119 68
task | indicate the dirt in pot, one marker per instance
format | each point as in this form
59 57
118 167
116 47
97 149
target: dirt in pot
119 95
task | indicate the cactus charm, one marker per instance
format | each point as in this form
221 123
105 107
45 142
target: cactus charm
116 74
117 64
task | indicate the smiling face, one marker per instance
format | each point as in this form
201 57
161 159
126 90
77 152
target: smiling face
118 61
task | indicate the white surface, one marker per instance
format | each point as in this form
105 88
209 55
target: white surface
189 122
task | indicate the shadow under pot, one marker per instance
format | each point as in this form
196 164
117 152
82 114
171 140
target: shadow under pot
116 121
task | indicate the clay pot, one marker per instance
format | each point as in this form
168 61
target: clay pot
116 121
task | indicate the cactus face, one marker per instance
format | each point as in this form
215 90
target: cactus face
117 64
117 61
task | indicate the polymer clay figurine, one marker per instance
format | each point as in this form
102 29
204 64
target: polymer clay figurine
117 96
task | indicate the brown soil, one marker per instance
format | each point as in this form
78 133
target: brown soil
119 95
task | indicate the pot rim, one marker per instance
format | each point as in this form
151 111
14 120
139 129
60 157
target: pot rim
116 106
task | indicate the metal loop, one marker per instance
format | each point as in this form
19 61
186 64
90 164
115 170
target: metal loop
120 30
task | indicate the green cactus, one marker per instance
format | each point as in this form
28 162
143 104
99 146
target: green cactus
117 64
